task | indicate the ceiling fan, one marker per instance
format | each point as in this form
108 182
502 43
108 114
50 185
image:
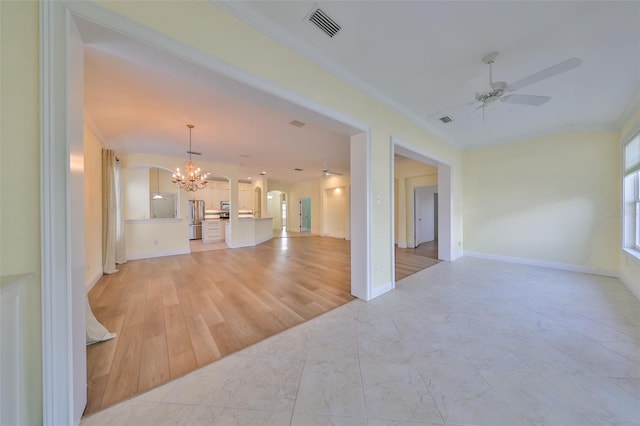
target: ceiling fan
500 90
327 172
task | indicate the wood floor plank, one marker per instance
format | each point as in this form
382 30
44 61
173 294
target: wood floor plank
104 352
207 305
225 338
204 346
125 370
286 315
411 260
154 365
95 390
182 363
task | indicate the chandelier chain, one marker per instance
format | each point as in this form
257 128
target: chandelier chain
193 179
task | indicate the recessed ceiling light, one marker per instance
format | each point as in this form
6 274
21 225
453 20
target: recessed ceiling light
249 177
263 173
446 119
298 170
297 123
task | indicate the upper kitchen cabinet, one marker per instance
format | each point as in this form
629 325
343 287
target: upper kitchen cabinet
245 196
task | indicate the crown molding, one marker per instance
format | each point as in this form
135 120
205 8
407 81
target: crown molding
305 50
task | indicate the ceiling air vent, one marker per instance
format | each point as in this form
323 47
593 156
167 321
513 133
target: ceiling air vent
446 119
324 22
297 123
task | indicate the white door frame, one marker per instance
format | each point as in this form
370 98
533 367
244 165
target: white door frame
445 198
416 226
57 234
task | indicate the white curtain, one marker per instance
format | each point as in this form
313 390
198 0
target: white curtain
109 211
121 255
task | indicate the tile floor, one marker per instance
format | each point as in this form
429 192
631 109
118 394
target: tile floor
472 342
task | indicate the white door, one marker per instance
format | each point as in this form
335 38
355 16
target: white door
424 214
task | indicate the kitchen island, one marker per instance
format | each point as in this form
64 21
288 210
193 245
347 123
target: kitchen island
248 232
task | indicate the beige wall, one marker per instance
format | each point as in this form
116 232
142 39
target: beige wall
200 24
297 191
547 199
20 158
335 209
146 238
629 264
92 207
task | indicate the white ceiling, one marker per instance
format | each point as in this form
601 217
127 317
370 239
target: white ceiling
419 57
423 57
140 100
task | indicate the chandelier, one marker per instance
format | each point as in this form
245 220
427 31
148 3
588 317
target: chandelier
192 179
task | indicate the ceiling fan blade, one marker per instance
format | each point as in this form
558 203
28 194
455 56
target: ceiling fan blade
567 65
525 99
327 172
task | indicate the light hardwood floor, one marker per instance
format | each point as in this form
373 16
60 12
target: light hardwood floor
175 314
412 260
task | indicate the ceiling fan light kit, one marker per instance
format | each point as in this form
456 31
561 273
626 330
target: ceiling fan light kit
501 90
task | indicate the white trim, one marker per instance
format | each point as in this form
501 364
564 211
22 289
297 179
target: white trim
129 28
631 134
633 289
307 51
153 254
447 249
392 207
632 252
303 49
56 299
360 198
631 109
57 327
381 289
545 264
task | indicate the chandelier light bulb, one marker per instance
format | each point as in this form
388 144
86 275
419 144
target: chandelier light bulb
196 179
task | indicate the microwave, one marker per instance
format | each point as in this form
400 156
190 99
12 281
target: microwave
224 205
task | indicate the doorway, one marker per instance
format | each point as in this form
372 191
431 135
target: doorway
63 337
425 215
283 211
422 214
305 214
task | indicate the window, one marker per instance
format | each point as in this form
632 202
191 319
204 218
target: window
631 191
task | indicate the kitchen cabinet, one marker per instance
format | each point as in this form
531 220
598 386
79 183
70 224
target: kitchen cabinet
207 196
245 197
220 193
212 231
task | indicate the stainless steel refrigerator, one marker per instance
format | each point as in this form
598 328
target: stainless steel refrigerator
196 215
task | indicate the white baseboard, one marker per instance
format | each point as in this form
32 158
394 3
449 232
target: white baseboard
93 281
545 264
381 289
633 289
157 254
